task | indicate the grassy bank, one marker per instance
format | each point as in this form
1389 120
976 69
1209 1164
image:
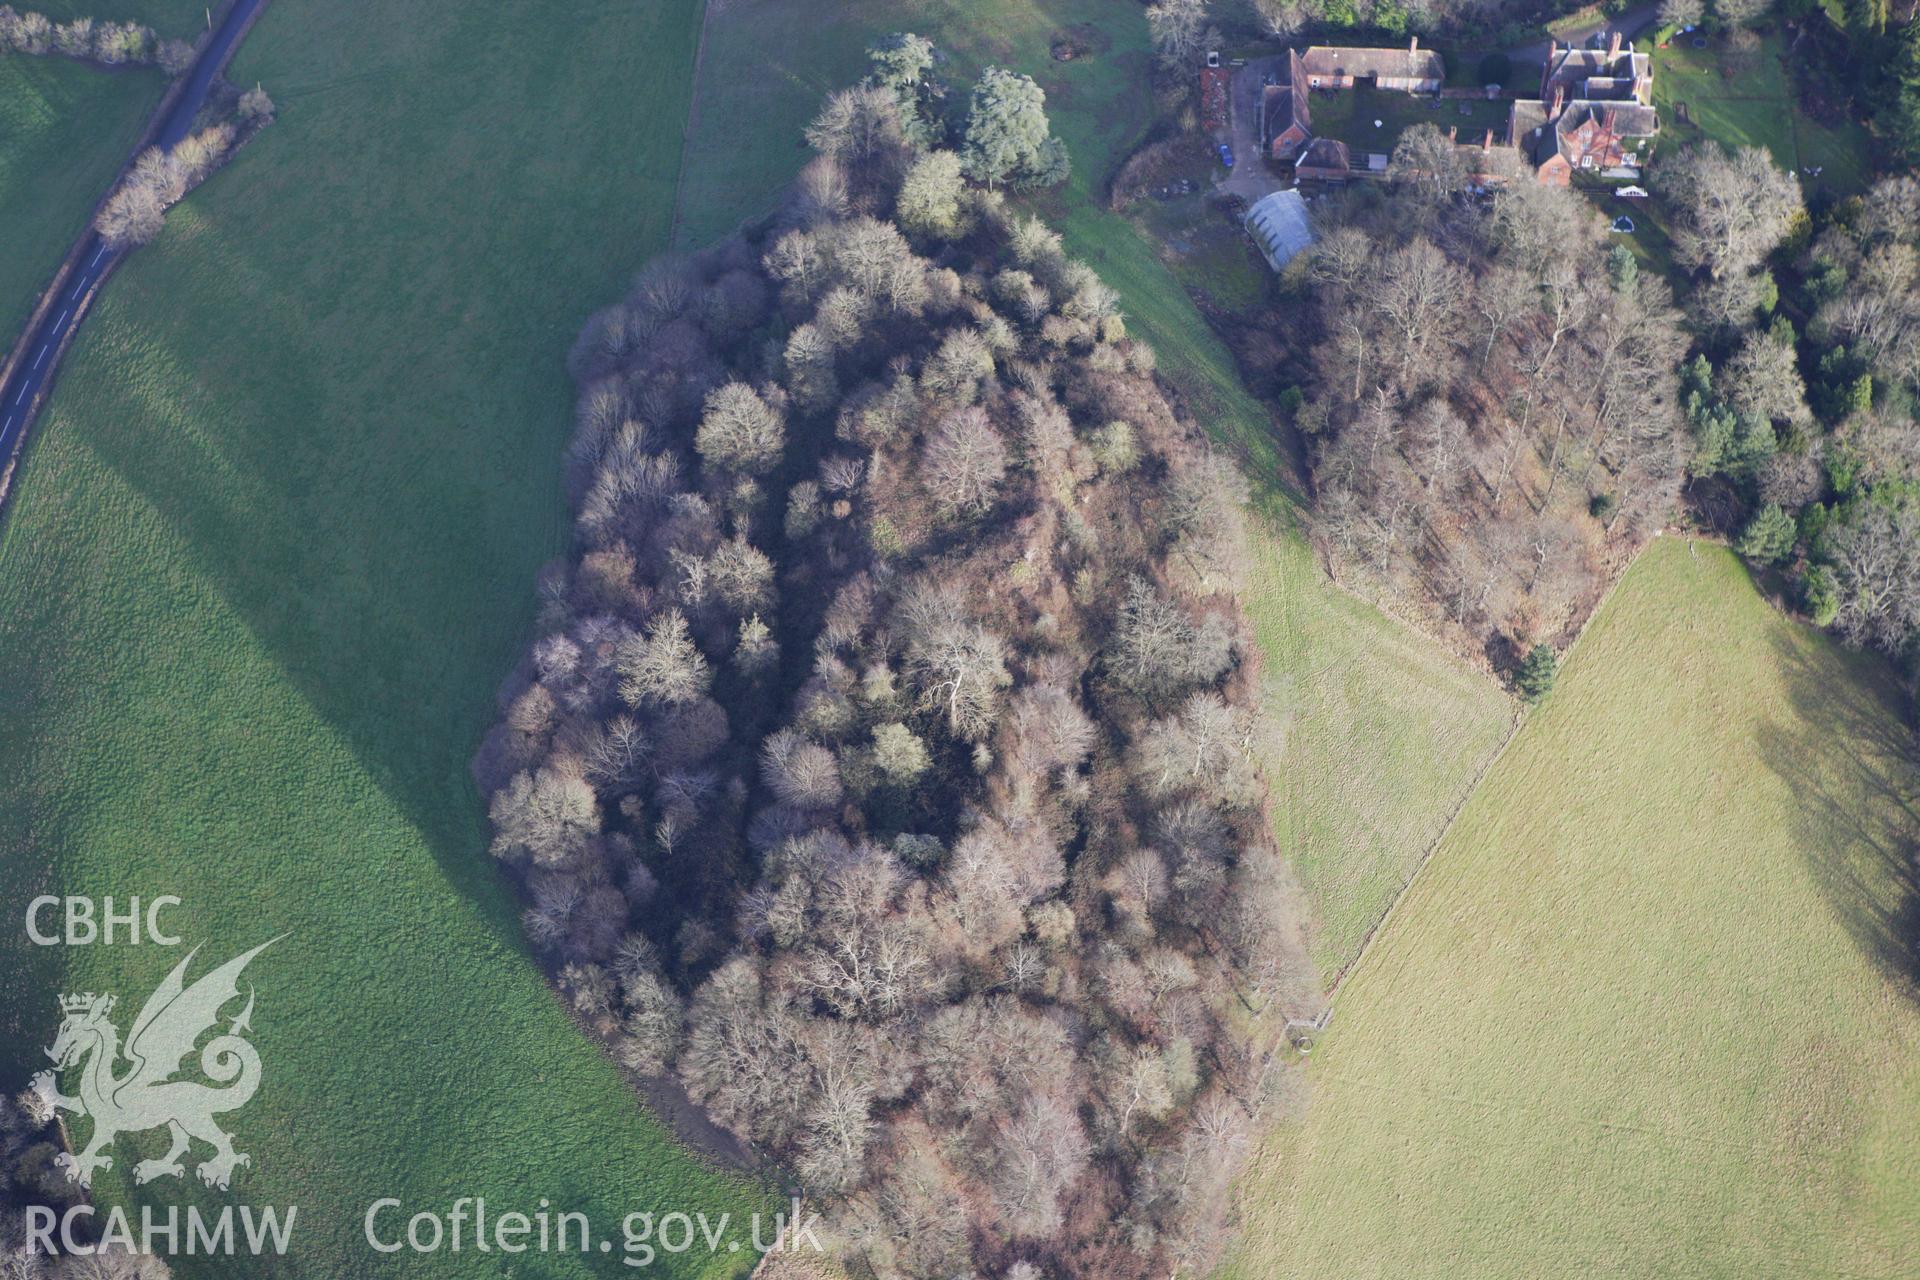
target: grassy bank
271 553
1650 1010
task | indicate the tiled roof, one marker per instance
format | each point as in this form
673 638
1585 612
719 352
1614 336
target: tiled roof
1287 103
1590 73
1627 119
1392 64
1325 153
1526 129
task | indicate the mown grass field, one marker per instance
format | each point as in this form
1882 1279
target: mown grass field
1382 731
272 551
1651 1009
64 131
1756 108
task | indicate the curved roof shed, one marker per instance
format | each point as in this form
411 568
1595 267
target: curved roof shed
1278 223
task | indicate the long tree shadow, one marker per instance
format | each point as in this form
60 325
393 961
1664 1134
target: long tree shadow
351 437
1852 759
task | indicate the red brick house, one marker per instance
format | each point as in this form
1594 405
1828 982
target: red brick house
1591 136
1286 120
1593 114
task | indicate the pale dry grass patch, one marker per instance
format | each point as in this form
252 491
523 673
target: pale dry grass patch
1649 1011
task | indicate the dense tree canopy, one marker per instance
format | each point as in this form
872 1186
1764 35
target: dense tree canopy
1489 399
885 767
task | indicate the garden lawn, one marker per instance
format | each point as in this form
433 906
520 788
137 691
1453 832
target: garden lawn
1650 1010
65 129
1380 732
1348 115
1756 108
272 551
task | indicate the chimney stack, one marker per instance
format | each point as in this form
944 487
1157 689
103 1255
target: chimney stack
1413 45
1486 143
1453 133
1559 96
1613 46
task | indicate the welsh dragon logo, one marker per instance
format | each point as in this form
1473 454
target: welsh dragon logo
146 1095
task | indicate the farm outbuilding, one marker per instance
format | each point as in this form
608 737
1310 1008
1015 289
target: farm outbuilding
1324 160
1279 224
1410 70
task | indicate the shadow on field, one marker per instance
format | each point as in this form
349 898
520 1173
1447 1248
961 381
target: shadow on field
386 572
1852 760
28 1013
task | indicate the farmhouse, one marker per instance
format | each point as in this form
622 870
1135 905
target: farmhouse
1594 113
1286 112
1600 136
1617 75
1286 121
1411 70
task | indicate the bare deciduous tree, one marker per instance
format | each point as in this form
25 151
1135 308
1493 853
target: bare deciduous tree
965 460
740 430
1733 207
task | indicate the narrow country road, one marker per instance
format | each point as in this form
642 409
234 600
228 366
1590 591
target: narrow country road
20 394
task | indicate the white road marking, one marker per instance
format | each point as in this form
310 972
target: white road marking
96 258
3 430
63 318
23 393
42 356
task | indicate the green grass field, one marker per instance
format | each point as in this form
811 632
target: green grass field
272 551
1757 108
1651 1010
64 131
1383 731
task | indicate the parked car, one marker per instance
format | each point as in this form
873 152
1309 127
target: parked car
1226 155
